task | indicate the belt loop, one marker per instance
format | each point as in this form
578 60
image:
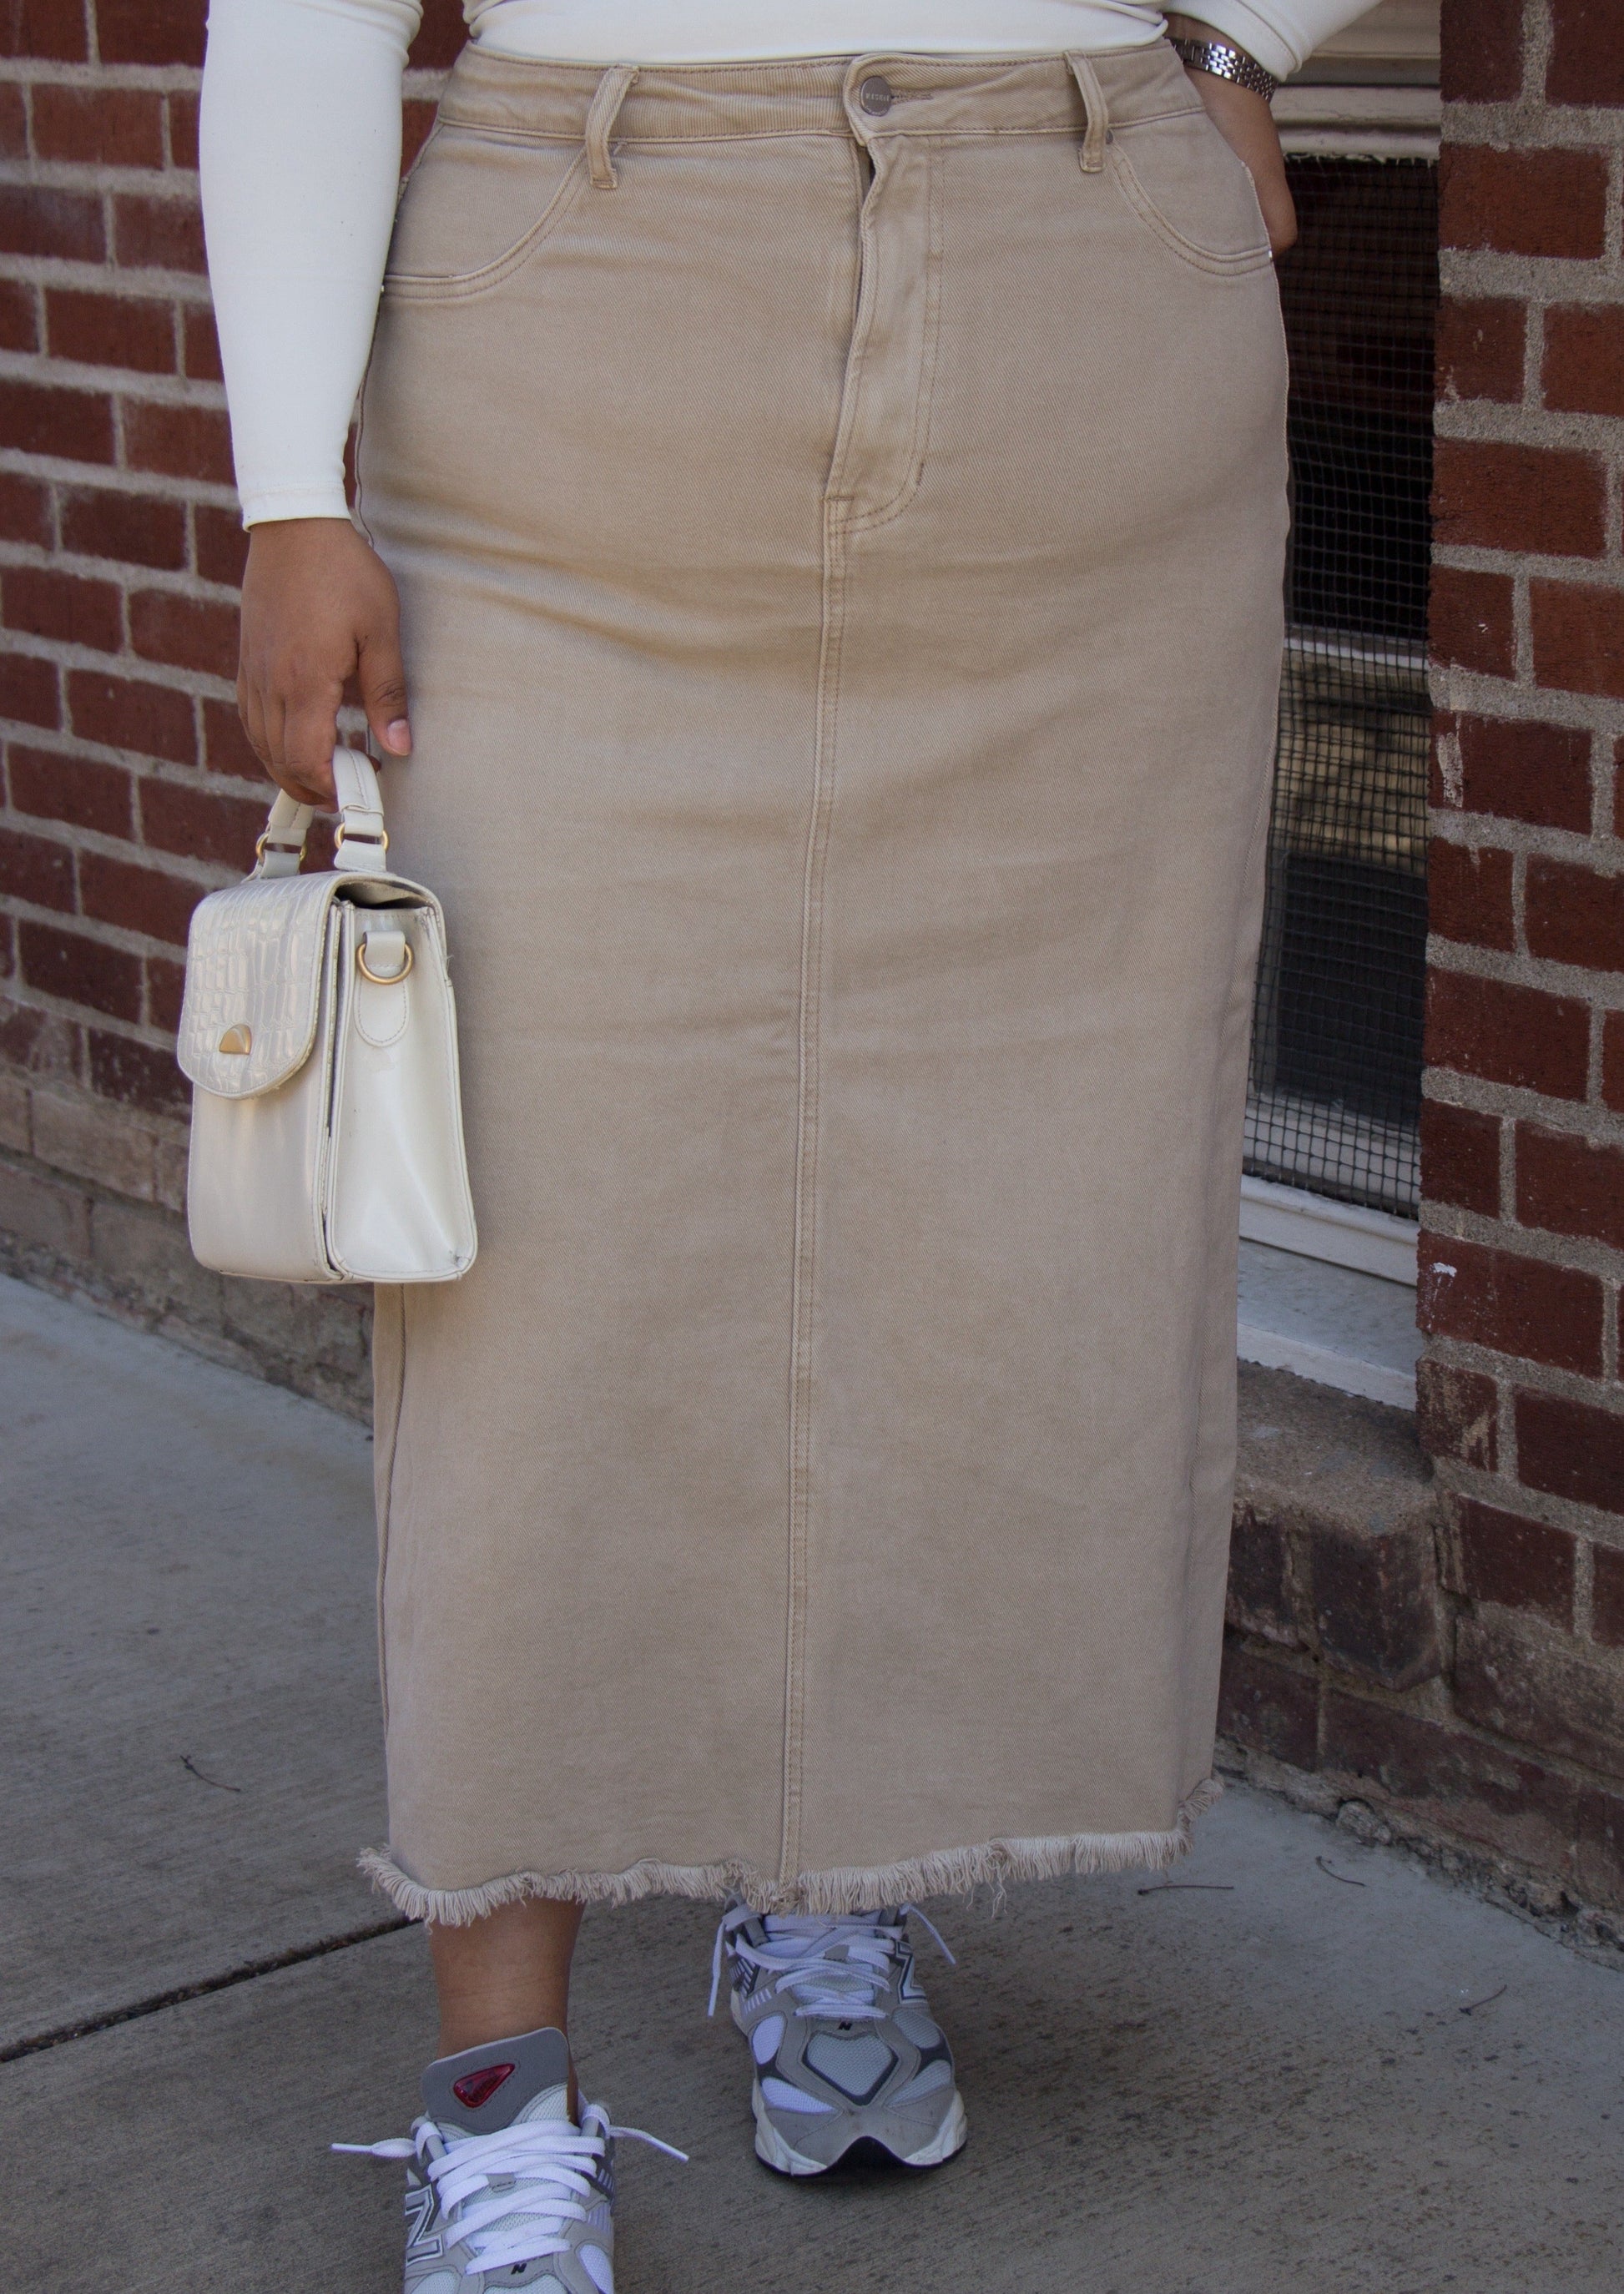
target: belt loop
1096 112
612 92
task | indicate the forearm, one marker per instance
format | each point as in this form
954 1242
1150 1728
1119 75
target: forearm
300 156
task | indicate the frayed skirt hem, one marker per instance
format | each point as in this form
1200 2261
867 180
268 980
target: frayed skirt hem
956 1871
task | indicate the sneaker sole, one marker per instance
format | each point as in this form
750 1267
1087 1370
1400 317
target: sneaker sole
773 2152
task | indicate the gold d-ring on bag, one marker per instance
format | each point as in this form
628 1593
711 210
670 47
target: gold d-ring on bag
318 1032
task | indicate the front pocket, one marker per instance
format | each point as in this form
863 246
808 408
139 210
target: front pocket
1181 179
477 207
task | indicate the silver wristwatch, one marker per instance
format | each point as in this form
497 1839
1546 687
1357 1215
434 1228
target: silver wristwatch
1226 63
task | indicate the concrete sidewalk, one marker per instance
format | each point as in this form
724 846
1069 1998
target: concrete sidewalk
1305 2066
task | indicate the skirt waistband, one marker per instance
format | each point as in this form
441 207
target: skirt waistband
874 97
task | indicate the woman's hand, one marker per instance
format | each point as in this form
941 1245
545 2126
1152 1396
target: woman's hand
319 607
1246 126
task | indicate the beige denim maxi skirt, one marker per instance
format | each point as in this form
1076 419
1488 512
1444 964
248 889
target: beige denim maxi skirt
837 508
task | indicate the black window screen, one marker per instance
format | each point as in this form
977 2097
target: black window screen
1335 1083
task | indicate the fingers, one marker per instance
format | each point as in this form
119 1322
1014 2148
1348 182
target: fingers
316 602
382 677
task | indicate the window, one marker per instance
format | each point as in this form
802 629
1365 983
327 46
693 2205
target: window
1331 1150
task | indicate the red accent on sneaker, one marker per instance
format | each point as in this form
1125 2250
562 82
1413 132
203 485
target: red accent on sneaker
476 2089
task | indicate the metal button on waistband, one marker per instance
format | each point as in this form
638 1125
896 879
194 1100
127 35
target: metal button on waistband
876 95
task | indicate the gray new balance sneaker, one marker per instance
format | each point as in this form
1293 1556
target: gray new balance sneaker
848 2058
503 2188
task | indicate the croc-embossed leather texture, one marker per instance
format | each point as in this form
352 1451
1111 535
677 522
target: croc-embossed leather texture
318 1032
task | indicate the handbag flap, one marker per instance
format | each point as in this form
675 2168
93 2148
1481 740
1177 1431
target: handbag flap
253 983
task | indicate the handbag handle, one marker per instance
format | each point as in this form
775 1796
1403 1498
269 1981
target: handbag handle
361 841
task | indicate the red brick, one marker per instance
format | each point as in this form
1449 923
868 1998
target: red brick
53 29
183 442
28 691
25 510
200 356
1441 1773
1570 1450
226 744
139 899
202 823
1471 620
1455 1413
125 712
37 220
46 419
13 122
35 1042
1579 636
1521 1684
134 529
1612 1060
117 127
150 31
1573 915
1269 1705
1258 1599
1618 787
67 606
137 1075
158 234
1481 46
183 129
1584 359
165 985
1538 202
1469 894
110 331
187 632
1607 1596
1537 773
1544 498
1598 1865
1586 63
80 971
18 317
1567 1185
1507 1034
36 868
222 545
439 36
1460 1157
57 786
1373 1598
1513 1305
416 120
1479 347
1517 1563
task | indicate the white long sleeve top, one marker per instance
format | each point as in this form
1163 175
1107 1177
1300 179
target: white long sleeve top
301 153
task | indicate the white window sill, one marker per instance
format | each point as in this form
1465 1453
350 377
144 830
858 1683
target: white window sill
1328 1290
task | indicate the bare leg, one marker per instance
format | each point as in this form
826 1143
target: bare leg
506 1973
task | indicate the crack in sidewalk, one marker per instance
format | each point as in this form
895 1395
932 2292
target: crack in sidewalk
132 2013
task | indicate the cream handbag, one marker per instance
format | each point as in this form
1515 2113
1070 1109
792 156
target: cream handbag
318 1032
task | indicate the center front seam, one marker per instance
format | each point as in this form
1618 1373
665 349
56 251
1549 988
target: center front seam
803 1300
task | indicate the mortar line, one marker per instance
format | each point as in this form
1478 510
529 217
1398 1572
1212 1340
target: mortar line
136 2009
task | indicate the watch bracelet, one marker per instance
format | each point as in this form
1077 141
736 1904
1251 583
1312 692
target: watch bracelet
1224 60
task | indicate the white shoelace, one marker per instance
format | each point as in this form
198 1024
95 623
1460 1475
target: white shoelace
550 2164
796 1955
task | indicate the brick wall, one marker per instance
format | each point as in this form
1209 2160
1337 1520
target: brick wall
128 789
1499 1719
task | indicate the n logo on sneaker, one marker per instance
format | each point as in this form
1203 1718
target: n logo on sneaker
475 2088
